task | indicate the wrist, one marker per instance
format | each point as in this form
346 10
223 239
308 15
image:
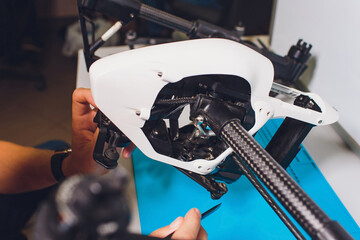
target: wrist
71 166
74 164
66 166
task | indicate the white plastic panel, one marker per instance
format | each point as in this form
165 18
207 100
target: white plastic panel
125 86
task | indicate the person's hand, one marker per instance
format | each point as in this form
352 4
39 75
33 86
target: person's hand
187 228
84 135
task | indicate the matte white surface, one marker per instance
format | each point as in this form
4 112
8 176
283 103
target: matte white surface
333 28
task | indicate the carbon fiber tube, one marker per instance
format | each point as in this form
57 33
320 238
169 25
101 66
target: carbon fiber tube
267 197
303 209
165 19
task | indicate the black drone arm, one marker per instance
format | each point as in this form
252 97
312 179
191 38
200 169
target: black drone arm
252 156
287 69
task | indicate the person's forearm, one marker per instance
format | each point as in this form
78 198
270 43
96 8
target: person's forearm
24 169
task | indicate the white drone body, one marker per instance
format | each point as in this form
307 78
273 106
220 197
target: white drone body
125 86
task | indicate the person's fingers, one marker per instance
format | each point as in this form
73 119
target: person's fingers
167 230
83 95
81 99
202 234
190 227
82 114
127 151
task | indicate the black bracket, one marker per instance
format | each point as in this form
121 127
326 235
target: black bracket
108 140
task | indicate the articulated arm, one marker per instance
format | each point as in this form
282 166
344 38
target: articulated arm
303 209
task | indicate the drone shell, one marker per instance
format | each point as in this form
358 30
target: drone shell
125 86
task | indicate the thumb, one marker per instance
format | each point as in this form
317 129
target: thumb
167 230
127 151
190 227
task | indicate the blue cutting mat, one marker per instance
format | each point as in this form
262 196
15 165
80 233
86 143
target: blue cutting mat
164 193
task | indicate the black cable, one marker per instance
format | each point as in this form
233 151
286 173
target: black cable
303 209
260 188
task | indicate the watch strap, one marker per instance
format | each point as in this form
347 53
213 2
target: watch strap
56 164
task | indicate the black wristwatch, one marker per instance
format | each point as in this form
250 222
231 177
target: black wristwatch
56 163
